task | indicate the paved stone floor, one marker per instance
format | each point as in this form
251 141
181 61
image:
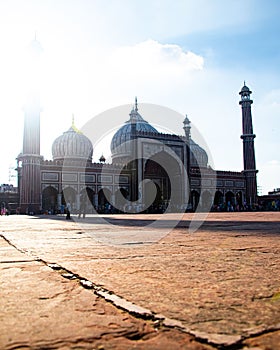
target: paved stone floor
122 282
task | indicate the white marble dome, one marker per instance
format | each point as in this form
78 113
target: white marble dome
72 145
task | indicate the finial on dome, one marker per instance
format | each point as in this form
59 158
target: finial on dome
245 90
136 104
73 126
102 159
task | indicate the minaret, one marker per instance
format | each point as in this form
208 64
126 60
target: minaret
30 181
248 146
187 129
133 145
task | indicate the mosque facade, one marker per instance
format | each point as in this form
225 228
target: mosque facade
150 171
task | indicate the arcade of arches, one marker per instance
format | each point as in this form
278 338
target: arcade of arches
218 201
102 201
86 201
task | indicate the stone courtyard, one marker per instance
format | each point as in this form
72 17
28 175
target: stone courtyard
140 282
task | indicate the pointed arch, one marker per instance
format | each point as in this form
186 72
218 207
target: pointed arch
120 197
218 199
49 199
87 200
230 198
207 200
194 200
165 172
69 197
104 200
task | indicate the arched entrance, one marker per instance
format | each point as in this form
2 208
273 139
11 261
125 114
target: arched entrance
156 198
218 199
207 200
166 173
230 201
239 200
104 200
121 195
230 197
69 198
49 199
86 200
195 196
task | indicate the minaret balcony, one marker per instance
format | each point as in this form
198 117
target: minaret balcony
248 137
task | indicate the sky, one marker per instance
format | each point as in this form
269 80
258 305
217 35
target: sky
190 56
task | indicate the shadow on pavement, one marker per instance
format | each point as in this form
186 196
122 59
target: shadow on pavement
272 226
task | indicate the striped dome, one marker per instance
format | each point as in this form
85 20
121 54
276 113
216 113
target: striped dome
120 144
198 155
72 145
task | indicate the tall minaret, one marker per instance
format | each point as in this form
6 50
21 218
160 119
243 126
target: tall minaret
133 144
248 146
30 181
187 129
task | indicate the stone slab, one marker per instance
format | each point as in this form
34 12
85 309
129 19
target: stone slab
39 309
220 283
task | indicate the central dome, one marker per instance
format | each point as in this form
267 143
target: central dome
198 156
120 144
72 145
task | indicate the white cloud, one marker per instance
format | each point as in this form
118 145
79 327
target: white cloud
87 83
150 60
151 52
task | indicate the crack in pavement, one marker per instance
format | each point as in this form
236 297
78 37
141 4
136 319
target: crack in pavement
159 320
146 314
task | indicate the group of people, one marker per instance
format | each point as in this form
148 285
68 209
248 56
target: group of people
274 205
107 208
66 210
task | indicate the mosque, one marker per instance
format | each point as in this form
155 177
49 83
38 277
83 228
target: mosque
150 171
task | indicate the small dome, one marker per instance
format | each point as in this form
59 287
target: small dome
72 145
120 146
102 159
245 90
199 156
186 121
